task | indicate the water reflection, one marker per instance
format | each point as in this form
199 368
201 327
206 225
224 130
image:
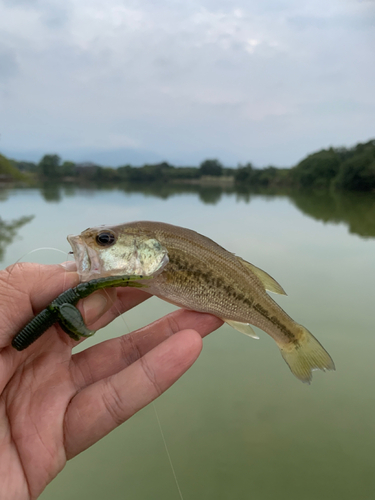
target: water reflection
207 194
51 192
356 210
54 192
8 231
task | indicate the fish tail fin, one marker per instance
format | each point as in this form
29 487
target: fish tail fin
306 355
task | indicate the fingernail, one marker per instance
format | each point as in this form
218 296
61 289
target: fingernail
69 265
94 306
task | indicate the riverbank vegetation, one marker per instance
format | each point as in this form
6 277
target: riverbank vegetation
351 169
9 170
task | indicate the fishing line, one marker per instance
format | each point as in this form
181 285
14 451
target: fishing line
120 314
37 250
11 267
157 418
166 449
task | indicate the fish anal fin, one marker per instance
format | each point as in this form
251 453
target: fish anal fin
268 282
243 328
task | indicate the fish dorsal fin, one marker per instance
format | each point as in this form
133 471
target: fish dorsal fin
268 282
243 328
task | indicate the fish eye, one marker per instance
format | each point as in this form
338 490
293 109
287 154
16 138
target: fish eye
105 238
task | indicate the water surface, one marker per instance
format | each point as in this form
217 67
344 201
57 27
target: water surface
238 424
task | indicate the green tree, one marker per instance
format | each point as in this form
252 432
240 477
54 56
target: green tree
261 177
244 174
211 167
9 171
49 166
317 170
68 169
358 173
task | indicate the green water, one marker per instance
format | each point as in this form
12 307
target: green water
238 425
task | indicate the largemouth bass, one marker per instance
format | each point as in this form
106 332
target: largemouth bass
191 271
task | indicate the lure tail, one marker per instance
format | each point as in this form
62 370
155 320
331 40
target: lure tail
306 355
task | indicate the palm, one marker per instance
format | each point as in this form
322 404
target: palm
54 404
35 402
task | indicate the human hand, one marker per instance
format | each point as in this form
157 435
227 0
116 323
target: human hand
55 404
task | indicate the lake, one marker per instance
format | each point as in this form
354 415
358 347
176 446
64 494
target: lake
238 425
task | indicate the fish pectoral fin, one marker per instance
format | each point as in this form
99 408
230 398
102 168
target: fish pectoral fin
245 328
268 282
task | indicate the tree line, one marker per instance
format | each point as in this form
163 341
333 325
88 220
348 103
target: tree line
51 167
338 168
334 168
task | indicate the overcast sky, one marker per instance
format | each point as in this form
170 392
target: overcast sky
265 81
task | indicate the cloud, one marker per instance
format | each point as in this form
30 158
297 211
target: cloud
259 81
20 3
8 63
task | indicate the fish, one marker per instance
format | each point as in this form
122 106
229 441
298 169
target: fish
191 271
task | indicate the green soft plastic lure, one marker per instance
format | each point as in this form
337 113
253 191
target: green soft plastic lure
63 311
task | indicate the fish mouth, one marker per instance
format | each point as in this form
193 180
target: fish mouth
88 265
